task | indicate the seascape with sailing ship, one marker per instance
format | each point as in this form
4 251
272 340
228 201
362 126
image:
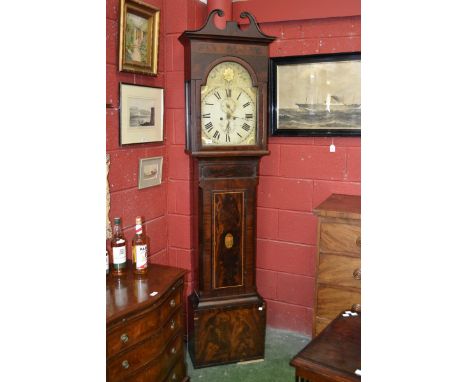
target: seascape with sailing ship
323 95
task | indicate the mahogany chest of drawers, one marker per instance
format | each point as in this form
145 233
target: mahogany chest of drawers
144 329
338 263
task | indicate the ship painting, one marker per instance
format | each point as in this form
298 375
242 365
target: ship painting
323 95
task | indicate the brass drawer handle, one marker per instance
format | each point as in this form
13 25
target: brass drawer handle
358 241
172 325
174 376
172 303
125 364
173 351
356 307
124 338
357 274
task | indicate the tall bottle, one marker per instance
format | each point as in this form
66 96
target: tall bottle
119 250
139 249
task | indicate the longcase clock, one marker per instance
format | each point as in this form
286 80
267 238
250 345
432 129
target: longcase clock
226 74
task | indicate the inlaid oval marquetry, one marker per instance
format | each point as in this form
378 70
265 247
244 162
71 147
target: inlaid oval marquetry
229 241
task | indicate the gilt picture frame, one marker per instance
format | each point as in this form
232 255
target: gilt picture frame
139 36
141 114
150 172
317 95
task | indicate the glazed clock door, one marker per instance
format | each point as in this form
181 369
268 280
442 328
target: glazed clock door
228 107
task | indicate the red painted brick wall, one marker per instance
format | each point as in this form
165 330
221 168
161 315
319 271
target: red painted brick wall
127 200
297 176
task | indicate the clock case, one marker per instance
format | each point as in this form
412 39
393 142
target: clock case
226 314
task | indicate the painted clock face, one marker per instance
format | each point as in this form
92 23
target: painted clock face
228 107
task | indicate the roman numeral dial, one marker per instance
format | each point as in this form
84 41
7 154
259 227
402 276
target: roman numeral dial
228 115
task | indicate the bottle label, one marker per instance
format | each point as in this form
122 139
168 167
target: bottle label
119 254
141 256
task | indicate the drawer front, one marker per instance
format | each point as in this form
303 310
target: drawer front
132 359
159 369
143 325
331 301
340 270
178 372
339 237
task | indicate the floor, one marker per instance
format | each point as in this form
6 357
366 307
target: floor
280 347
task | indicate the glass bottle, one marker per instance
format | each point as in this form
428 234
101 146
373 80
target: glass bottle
139 249
119 250
107 262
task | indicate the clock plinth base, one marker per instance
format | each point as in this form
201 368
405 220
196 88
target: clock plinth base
227 330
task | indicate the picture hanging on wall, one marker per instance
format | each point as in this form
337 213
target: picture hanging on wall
150 172
316 95
141 114
139 34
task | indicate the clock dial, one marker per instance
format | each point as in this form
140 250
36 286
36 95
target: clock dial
229 107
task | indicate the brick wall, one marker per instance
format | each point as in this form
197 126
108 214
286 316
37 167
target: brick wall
179 16
127 200
298 175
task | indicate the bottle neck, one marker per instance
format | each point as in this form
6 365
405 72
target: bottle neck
138 229
117 230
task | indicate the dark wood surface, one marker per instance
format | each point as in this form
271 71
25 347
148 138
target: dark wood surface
226 315
334 355
227 330
338 263
205 48
144 340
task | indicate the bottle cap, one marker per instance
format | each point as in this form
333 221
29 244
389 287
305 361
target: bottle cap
116 220
138 220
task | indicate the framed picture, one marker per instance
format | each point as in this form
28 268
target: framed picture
141 114
150 172
316 95
139 33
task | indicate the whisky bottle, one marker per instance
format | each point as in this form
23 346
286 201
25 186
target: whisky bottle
139 249
119 250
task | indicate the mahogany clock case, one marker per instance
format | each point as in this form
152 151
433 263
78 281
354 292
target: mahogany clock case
209 46
226 315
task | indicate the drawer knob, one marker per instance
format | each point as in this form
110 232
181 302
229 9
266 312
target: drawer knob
172 303
357 274
174 376
172 325
124 338
173 350
125 364
358 241
356 307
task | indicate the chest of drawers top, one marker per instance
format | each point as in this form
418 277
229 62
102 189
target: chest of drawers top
340 206
131 294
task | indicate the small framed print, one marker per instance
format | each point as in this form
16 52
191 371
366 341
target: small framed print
139 33
141 114
150 172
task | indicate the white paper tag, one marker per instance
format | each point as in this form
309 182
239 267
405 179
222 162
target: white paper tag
345 315
152 294
332 148
357 371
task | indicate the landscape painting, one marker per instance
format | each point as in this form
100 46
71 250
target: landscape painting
150 172
136 38
139 36
141 114
316 95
